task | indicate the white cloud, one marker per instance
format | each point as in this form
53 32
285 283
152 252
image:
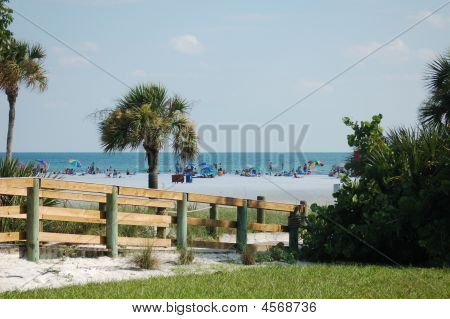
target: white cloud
437 20
308 85
188 44
393 52
68 58
139 73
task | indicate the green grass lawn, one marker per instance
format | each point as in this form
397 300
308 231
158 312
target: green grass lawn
299 282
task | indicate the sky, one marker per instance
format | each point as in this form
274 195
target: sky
238 63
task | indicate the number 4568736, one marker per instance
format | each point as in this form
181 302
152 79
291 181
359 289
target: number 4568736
296 306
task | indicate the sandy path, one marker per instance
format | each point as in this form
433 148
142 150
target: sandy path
19 274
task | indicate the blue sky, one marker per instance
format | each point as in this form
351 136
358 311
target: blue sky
238 62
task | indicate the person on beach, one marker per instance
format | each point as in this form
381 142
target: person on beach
270 168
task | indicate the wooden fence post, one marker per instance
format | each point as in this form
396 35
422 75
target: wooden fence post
182 222
294 224
260 212
33 221
112 227
304 207
294 220
213 215
241 233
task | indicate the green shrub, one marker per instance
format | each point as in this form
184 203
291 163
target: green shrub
146 260
276 253
397 210
186 256
264 257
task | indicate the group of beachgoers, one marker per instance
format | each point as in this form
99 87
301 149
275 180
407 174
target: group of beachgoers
209 171
91 170
256 172
200 171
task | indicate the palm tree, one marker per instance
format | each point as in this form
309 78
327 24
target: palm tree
22 64
148 116
436 110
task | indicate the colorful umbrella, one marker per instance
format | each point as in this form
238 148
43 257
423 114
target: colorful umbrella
75 163
315 163
42 162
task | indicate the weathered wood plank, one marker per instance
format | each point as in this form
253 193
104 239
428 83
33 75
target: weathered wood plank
139 241
64 195
12 210
150 193
145 202
7 190
72 238
211 222
19 182
265 227
12 236
220 245
72 215
210 199
74 212
212 244
98 217
76 186
73 196
144 220
271 205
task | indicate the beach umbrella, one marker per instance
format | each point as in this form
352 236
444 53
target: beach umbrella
42 162
316 163
75 163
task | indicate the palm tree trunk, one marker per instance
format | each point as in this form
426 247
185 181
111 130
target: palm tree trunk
152 160
12 96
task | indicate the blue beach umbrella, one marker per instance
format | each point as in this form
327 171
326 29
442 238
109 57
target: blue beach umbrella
42 162
75 163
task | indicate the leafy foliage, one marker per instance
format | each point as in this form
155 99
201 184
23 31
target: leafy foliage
436 109
23 63
398 210
148 116
6 19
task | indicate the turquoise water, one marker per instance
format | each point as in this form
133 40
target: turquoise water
136 162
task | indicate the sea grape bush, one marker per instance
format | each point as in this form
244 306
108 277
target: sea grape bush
397 210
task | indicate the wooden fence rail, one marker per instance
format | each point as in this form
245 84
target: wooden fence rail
110 199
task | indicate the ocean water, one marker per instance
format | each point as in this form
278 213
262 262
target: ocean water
136 162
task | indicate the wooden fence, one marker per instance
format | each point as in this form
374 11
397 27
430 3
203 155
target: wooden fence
110 200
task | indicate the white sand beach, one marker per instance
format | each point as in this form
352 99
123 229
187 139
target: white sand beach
19 274
312 188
